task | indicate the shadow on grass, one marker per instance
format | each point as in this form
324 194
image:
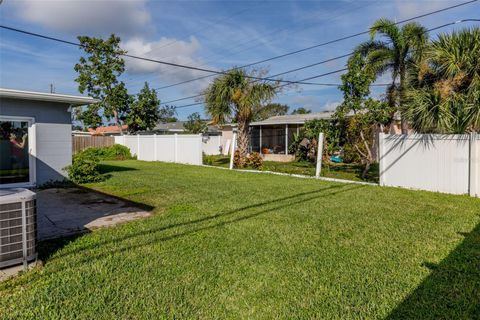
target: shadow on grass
194 227
452 290
107 168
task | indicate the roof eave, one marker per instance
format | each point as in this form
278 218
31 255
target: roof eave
43 96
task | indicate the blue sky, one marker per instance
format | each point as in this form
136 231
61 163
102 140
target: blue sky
210 34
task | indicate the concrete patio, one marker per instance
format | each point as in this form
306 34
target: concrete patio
67 211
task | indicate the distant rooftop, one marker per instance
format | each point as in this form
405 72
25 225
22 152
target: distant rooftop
45 96
294 118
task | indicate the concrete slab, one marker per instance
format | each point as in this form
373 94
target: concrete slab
67 211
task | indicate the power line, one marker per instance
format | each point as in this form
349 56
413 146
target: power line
277 30
248 65
322 44
325 61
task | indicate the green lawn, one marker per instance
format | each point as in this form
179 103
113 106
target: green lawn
330 170
226 244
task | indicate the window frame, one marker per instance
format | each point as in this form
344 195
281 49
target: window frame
31 152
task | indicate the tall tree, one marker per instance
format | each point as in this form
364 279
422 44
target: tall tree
400 47
143 114
233 96
195 124
270 110
444 96
301 110
363 116
98 74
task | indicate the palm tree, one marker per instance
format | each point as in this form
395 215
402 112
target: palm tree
235 97
445 87
404 46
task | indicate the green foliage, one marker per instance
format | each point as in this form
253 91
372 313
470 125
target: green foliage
301 110
209 159
360 116
84 168
143 114
195 124
304 145
444 93
98 74
115 152
254 160
167 114
270 110
401 46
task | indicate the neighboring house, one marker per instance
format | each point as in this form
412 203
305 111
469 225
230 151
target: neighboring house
35 136
178 127
272 137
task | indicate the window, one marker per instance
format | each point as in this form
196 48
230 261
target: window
16 162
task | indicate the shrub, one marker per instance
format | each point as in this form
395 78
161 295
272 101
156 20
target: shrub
115 152
255 160
208 159
237 160
84 168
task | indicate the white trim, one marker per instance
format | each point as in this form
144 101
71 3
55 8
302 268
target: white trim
32 152
44 96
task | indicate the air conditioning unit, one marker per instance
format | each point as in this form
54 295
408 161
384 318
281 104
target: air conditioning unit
18 227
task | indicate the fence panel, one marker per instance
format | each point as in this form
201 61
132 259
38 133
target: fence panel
426 162
167 148
212 145
82 142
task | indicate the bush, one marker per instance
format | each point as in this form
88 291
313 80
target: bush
208 159
255 160
115 152
84 168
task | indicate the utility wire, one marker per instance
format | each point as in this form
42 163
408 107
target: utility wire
329 60
248 65
322 44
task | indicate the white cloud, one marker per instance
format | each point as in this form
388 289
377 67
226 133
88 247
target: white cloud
100 17
408 9
171 50
331 105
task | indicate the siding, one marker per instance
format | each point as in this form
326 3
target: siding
52 132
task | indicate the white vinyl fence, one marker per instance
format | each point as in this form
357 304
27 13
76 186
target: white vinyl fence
212 145
181 148
443 163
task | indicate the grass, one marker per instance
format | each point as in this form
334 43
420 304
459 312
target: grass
343 171
225 244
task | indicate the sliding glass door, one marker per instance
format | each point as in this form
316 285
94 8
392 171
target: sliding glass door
17 165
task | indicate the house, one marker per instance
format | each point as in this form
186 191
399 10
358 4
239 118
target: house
179 127
272 137
35 136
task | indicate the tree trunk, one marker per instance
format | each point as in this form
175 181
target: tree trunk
365 170
403 123
242 142
117 122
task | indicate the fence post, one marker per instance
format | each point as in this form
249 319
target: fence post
200 148
155 157
381 155
234 144
138 146
474 166
175 148
319 155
